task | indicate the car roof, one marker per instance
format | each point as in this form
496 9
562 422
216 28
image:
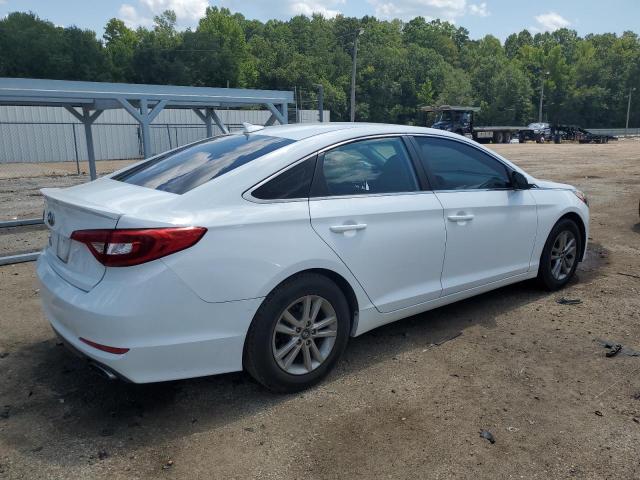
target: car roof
301 131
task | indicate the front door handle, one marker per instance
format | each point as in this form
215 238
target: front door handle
460 217
348 227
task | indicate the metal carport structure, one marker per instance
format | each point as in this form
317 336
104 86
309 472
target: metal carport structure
87 100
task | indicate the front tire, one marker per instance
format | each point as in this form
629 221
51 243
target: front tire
560 256
298 333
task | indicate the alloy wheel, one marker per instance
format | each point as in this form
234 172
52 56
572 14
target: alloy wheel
563 255
304 335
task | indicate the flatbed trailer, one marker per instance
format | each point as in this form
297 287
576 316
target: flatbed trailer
497 134
459 119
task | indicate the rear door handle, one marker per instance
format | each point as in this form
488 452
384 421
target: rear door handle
460 218
347 227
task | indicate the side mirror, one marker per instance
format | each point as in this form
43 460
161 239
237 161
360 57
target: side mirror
519 181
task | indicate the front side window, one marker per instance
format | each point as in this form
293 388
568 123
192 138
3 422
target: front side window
187 168
456 166
380 165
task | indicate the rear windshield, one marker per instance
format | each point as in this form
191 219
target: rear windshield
182 170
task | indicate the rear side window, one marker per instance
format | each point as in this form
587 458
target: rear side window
373 166
456 166
293 183
185 169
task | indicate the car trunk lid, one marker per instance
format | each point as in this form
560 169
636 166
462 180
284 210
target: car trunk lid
97 205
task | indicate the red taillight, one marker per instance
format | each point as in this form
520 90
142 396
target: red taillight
127 247
105 348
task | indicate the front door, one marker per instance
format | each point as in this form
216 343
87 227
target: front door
368 207
490 227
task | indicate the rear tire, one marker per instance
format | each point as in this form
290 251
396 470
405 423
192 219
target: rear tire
560 256
287 348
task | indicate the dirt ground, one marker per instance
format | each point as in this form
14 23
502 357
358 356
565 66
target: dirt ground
403 402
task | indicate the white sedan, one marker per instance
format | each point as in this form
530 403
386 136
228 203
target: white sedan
266 250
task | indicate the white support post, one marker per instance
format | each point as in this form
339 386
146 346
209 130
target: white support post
87 118
218 121
276 114
144 124
144 117
207 117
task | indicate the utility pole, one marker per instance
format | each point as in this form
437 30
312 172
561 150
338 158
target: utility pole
629 108
320 101
541 96
352 115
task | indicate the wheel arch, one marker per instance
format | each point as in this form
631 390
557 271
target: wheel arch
577 219
343 284
346 289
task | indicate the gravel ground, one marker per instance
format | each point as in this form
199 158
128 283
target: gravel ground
407 401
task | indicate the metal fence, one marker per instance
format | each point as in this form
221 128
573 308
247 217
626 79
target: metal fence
616 132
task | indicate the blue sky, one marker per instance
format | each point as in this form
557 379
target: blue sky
480 17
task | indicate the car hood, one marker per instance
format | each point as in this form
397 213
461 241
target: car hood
553 185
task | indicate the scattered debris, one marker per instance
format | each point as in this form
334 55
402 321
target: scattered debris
487 435
445 339
168 465
249 429
512 429
598 413
568 301
615 349
629 275
636 419
611 345
102 454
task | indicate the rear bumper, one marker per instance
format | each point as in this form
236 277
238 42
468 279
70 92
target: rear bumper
170 332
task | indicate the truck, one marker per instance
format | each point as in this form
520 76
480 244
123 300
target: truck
459 119
578 134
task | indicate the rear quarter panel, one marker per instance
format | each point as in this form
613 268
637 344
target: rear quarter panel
250 248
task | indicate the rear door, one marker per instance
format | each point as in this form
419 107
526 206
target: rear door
491 227
368 206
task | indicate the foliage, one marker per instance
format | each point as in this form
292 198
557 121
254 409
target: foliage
401 66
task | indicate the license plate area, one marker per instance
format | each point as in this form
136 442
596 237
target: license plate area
60 245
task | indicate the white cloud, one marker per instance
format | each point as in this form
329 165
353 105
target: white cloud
284 9
309 7
130 16
188 12
479 9
444 9
550 22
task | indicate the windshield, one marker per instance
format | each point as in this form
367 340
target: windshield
182 170
453 115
